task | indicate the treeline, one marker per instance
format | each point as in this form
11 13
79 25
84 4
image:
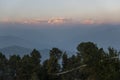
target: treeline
89 63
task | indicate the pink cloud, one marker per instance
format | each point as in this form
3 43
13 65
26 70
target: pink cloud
58 20
5 20
88 21
32 21
46 21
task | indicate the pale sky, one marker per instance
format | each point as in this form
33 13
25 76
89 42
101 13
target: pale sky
76 9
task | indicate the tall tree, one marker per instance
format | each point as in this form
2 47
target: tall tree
91 57
53 65
26 68
14 66
35 61
3 66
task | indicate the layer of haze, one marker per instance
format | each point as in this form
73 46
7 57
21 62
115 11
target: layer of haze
65 36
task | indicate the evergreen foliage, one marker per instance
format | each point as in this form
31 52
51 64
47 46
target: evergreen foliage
100 65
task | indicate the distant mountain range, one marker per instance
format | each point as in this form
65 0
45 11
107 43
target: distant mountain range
22 39
64 37
15 50
18 50
6 41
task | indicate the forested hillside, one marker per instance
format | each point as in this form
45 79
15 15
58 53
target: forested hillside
89 63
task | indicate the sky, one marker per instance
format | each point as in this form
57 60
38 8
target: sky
88 11
64 12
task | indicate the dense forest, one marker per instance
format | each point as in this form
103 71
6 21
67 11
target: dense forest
89 63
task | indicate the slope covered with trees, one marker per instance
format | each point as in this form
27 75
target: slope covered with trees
89 63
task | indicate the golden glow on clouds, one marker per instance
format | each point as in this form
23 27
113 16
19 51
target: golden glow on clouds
88 21
56 20
34 21
79 9
38 21
5 20
60 20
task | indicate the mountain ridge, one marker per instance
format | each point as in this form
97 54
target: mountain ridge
19 50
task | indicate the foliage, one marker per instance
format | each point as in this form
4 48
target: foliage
100 65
